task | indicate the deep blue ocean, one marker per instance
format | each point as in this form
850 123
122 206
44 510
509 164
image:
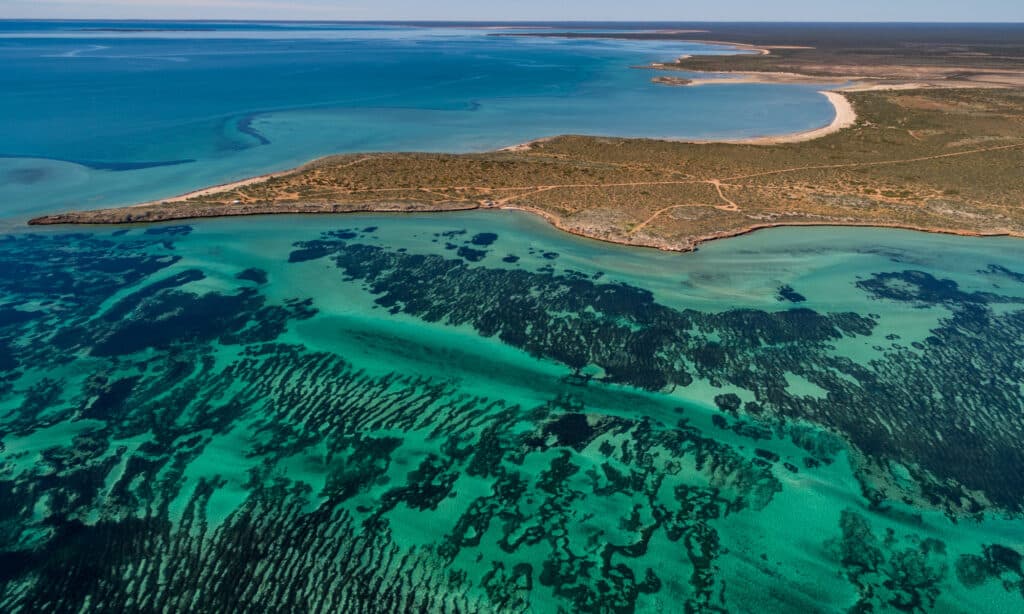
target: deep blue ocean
469 412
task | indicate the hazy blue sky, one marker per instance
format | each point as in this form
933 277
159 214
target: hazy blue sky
627 10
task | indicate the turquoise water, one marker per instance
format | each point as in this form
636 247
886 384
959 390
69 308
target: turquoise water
476 412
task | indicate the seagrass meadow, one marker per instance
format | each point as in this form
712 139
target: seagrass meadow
476 413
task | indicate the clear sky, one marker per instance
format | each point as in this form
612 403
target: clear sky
495 10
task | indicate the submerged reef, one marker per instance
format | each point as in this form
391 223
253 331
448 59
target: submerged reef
167 445
908 406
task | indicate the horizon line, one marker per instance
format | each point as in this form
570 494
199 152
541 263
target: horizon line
503 21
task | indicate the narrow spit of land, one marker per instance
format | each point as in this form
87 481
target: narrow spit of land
869 55
941 160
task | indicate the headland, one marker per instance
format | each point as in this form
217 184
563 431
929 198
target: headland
933 140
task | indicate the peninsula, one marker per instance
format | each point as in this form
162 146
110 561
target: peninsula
872 55
941 154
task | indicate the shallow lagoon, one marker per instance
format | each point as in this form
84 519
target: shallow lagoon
276 398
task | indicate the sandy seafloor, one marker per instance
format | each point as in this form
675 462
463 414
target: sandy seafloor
476 411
